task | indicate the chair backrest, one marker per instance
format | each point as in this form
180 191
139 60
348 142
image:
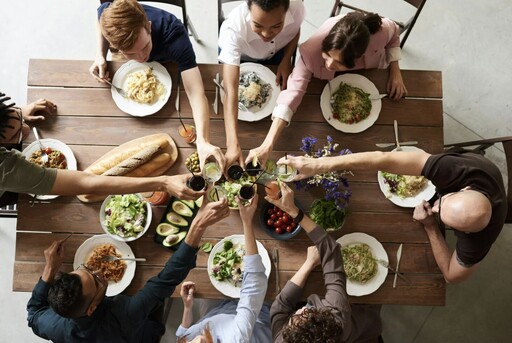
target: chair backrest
404 27
220 12
480 147
179 3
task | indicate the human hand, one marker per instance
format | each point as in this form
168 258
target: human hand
38 109
305 166
313 257
423 214
286 202
98 69
211 212
206 150
247 212
177 186
233 156
396 87
54 257
187 293
283 71
261 153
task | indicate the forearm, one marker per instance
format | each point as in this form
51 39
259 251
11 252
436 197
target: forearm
394 68
101 43
71 182
250 240
440 249
231 74
291 47
194 235
187 318
49 274
193 84
273 134
302 275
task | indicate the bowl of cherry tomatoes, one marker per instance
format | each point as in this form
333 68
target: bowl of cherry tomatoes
277 223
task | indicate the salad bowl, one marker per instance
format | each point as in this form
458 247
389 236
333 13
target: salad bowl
125 217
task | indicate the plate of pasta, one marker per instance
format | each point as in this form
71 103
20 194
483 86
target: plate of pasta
59 154
119 274
148 86
405 190
361 253
352 111
257 91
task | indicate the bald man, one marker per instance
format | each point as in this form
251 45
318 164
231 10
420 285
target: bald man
471 199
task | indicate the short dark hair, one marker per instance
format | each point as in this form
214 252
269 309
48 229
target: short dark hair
313 325
6 113
269 5
351 35
65 295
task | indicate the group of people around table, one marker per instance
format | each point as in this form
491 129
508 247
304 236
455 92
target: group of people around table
72 307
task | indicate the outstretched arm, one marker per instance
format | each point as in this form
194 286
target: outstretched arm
406 163
195 91
231 75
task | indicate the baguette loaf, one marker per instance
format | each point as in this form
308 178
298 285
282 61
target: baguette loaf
133 162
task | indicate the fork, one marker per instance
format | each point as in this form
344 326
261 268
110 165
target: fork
119 90
275 258
241 106
110 258
44 155
332 99
395 125
385 264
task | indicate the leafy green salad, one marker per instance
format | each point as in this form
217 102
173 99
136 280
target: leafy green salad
232 188
326 214
228 263
125 215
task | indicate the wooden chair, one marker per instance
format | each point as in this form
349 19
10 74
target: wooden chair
186 20
404 27
479 147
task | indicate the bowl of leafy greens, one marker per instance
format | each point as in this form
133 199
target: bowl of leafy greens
125 217
326 214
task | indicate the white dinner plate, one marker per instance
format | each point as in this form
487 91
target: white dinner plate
255 113
360 289
131 106
55 145
354 80
84 251
225 287
425 194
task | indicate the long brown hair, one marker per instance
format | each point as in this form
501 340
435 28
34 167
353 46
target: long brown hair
121 22
351 35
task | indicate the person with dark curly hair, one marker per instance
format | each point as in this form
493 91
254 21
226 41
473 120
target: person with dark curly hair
344 43
323 320
72 307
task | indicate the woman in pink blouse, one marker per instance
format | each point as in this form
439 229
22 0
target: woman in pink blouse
344 43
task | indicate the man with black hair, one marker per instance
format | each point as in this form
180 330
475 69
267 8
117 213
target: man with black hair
73 307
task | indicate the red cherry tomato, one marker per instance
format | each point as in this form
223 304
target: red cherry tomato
48 150
270 211
279 213
279 230
289 229
270 222
278 223
293 224
273 216
285 218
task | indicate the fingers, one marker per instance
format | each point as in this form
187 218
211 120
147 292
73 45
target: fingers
278 78
284 84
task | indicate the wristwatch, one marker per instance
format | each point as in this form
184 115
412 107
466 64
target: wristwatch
299 216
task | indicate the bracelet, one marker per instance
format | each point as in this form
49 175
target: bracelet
299 216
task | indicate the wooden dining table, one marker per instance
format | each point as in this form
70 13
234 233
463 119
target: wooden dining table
90 123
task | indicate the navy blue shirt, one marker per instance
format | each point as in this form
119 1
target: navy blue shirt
117 319
169 37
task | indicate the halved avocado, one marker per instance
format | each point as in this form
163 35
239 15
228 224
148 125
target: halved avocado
199 202
175 219
189 203
174 239
207 247
166 229
179 207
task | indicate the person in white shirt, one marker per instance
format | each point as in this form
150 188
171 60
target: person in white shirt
261 31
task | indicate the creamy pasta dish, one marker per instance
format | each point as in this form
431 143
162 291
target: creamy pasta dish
359 263
144 87
110 271
252 90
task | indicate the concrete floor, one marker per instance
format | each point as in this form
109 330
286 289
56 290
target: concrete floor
467 40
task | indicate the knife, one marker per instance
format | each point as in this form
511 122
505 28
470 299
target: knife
275 258
177 104
378 96
398 257
216 101
387 145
